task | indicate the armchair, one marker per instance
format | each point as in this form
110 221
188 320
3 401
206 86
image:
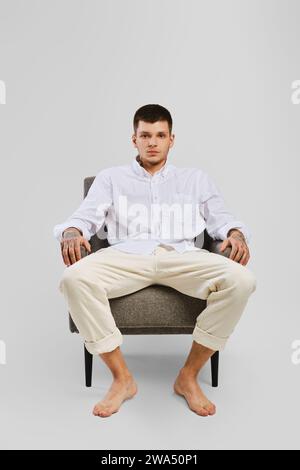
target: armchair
177 311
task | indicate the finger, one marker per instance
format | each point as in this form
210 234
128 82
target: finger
239 254
224 245
87 245
72 253
247 259
65 254
247 256
243 260
234 249
77 250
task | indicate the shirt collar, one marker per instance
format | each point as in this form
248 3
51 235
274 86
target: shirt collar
139 170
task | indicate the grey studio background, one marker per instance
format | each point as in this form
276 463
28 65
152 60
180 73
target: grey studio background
74 74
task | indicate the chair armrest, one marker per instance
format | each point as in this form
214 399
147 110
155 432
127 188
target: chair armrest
215 246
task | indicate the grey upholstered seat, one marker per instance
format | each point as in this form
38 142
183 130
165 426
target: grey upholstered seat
155 309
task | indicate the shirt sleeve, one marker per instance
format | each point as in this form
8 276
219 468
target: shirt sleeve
217 218
90 215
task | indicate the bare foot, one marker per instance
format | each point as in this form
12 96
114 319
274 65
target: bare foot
188 387
120 390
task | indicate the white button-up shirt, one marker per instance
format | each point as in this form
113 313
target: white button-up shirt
142 211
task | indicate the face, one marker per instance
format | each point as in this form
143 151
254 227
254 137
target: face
153 137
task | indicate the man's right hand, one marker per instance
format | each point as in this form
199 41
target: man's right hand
70 245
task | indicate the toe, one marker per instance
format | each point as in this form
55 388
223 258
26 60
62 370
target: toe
211 409
202 412
98 410
104 413
199 410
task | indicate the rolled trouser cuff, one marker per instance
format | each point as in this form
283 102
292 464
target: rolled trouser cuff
107 344
208 340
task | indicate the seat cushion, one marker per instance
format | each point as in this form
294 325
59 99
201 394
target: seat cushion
153 310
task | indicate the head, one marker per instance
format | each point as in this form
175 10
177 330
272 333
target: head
152 125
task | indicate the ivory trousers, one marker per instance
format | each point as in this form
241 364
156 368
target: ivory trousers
88 284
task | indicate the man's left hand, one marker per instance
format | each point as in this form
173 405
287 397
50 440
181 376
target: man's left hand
239 251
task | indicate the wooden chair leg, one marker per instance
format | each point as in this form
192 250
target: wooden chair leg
88 362
215 369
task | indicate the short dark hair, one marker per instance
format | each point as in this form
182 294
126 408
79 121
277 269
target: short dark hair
152 113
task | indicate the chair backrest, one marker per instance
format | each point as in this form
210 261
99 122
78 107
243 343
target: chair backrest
99 240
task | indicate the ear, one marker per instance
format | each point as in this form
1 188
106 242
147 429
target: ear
172 140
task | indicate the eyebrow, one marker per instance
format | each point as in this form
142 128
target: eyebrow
159 132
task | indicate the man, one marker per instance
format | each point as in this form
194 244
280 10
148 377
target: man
155 247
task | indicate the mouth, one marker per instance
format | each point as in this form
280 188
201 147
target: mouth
152 152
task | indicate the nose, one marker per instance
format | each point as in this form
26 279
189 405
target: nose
152 142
